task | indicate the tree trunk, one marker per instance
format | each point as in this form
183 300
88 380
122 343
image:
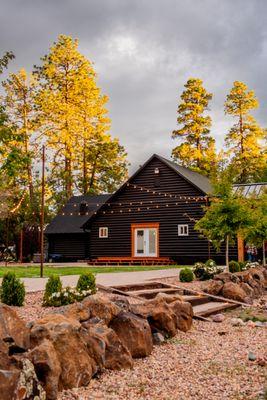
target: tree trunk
26 144
227 253
85 171
263 253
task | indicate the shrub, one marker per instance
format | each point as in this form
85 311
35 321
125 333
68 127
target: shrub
56 296
234 266
12 290
242 265
53 285
86 282
186 275
199 269
211 263
206 271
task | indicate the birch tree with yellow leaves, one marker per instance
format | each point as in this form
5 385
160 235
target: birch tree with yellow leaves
246 140
197 148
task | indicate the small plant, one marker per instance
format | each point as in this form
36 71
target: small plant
53 285
12 290
86 282
56 296
211 263
250 264
234 266
186 275
206 271
242 265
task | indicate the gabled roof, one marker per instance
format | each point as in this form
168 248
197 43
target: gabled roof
250 189
198 180
68 223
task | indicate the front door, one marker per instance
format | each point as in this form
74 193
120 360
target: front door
145 242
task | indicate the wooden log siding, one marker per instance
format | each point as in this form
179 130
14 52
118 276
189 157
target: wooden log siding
70 246
184 249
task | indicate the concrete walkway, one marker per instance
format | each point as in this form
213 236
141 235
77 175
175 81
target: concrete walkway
108 279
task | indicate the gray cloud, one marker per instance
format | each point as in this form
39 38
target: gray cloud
144 51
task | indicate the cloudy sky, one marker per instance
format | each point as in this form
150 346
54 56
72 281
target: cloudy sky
144 51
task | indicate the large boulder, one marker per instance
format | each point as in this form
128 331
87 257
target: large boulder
13 330
105 347
47 366
134 332
100 307
18 379
183 311
226 277
214 287
163 317
77 367
233 291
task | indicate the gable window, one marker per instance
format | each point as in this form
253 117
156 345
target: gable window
103 232
183 230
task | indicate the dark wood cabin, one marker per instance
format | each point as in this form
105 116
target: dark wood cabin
67 240
152 216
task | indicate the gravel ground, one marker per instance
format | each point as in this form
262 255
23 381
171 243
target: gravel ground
209 362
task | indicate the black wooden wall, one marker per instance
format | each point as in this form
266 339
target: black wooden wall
72 246
185 250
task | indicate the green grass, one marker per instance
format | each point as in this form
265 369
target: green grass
34 271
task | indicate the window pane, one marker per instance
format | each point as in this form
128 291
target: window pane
140 242
152 241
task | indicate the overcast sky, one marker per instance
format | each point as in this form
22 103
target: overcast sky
144 52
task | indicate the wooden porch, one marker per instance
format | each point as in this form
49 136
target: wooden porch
131 261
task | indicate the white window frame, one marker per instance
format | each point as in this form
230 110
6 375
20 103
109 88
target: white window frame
183 230
103 232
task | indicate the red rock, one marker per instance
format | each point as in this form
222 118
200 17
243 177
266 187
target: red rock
105 347
234 291
13 329
134 332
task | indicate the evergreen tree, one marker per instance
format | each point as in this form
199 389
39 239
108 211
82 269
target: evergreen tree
197 150
17 144
246 140
72 114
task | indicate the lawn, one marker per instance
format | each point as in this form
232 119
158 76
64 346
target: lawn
34 271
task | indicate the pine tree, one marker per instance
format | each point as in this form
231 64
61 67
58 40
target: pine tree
18 147
72 115
246 138
197 150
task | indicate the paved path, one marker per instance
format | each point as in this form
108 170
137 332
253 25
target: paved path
108 279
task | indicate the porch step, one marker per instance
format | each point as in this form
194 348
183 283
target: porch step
131 261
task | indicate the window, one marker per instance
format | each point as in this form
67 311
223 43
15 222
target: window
183 230
103 232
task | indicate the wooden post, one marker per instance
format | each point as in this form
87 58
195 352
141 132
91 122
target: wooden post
240 248
227 254
263 253
21 246
42 214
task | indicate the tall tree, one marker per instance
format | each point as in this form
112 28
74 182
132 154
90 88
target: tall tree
4 60
256 233
19 106
246 140
197 149
71 114
225 217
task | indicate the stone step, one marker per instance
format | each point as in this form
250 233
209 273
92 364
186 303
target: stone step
211 307
151 293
